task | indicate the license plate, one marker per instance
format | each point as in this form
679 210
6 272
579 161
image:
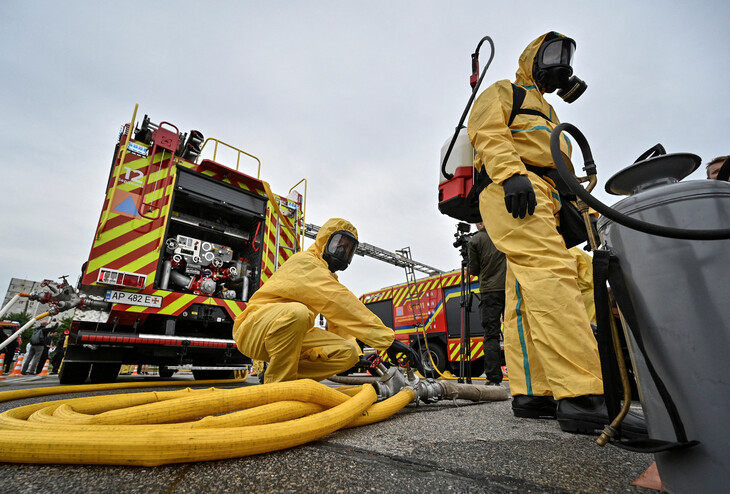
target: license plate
130 298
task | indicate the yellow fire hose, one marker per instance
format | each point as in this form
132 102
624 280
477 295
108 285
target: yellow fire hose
161 427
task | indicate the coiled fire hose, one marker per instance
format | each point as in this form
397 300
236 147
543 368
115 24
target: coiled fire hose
162 427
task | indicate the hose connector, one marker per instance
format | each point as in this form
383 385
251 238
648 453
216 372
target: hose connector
428 391
609 432
390 383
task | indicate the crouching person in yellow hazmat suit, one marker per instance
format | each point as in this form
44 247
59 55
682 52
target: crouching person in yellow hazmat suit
278 323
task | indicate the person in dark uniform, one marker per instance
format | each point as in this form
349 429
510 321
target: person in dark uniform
490 266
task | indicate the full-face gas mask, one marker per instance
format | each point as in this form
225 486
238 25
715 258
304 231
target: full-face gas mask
339 250
552 68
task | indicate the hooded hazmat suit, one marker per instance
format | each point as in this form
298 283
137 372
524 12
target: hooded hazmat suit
549 347
278 323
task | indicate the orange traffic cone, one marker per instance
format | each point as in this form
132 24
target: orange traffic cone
2 365
18 366
134 370
44 372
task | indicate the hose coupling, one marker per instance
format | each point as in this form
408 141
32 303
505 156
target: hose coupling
428 391
390 383
393 380
609 432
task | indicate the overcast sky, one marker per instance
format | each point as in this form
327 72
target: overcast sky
358 97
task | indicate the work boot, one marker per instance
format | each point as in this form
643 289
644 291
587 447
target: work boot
533 407
589 415
493 383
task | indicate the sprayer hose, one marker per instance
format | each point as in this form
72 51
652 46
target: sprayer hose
567 175
162 427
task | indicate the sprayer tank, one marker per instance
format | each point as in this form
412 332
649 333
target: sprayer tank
461 157
682 303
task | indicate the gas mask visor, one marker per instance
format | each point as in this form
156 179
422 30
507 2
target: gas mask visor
554 64
339 250
556 52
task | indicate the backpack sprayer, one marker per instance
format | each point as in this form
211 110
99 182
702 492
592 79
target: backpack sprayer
458 184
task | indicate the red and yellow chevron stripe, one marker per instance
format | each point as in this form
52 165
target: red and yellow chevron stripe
284 230
127 240
454 349
174 304
399 293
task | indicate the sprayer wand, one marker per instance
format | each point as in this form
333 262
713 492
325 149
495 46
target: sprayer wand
475 81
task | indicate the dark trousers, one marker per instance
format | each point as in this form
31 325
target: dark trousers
491 308
9 354
42 361
56 360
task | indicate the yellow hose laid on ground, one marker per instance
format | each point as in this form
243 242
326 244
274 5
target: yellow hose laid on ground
157 428
384 409
21 394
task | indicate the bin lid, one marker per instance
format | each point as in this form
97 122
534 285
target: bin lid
659 170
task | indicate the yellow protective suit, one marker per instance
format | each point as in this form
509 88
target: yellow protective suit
584 267
549 346
278 323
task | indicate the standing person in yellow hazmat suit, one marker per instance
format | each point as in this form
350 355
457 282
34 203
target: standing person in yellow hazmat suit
278 323
551 353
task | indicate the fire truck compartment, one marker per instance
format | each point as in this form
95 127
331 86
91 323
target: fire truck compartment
211 242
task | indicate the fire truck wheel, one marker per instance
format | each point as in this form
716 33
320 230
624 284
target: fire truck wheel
104 372
74 372
438 354
201 375
165 372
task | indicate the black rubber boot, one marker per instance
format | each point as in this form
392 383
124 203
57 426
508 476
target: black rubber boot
533 407
588 415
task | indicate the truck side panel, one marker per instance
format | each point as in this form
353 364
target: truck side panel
439 299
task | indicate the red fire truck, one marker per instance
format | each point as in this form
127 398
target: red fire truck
432 305
181 244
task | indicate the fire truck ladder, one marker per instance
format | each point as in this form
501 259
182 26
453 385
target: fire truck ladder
414 300
412 296
394 258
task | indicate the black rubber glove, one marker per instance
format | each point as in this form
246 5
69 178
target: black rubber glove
399 347
519 196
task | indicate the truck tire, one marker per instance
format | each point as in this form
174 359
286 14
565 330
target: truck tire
74 372
104 372
202 375
438 354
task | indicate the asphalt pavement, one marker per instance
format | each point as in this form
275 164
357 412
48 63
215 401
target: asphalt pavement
448 446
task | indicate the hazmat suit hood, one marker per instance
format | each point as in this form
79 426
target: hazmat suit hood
330 228
559 75
527 59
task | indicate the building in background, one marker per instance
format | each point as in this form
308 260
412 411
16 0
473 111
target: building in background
23 304
18 285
